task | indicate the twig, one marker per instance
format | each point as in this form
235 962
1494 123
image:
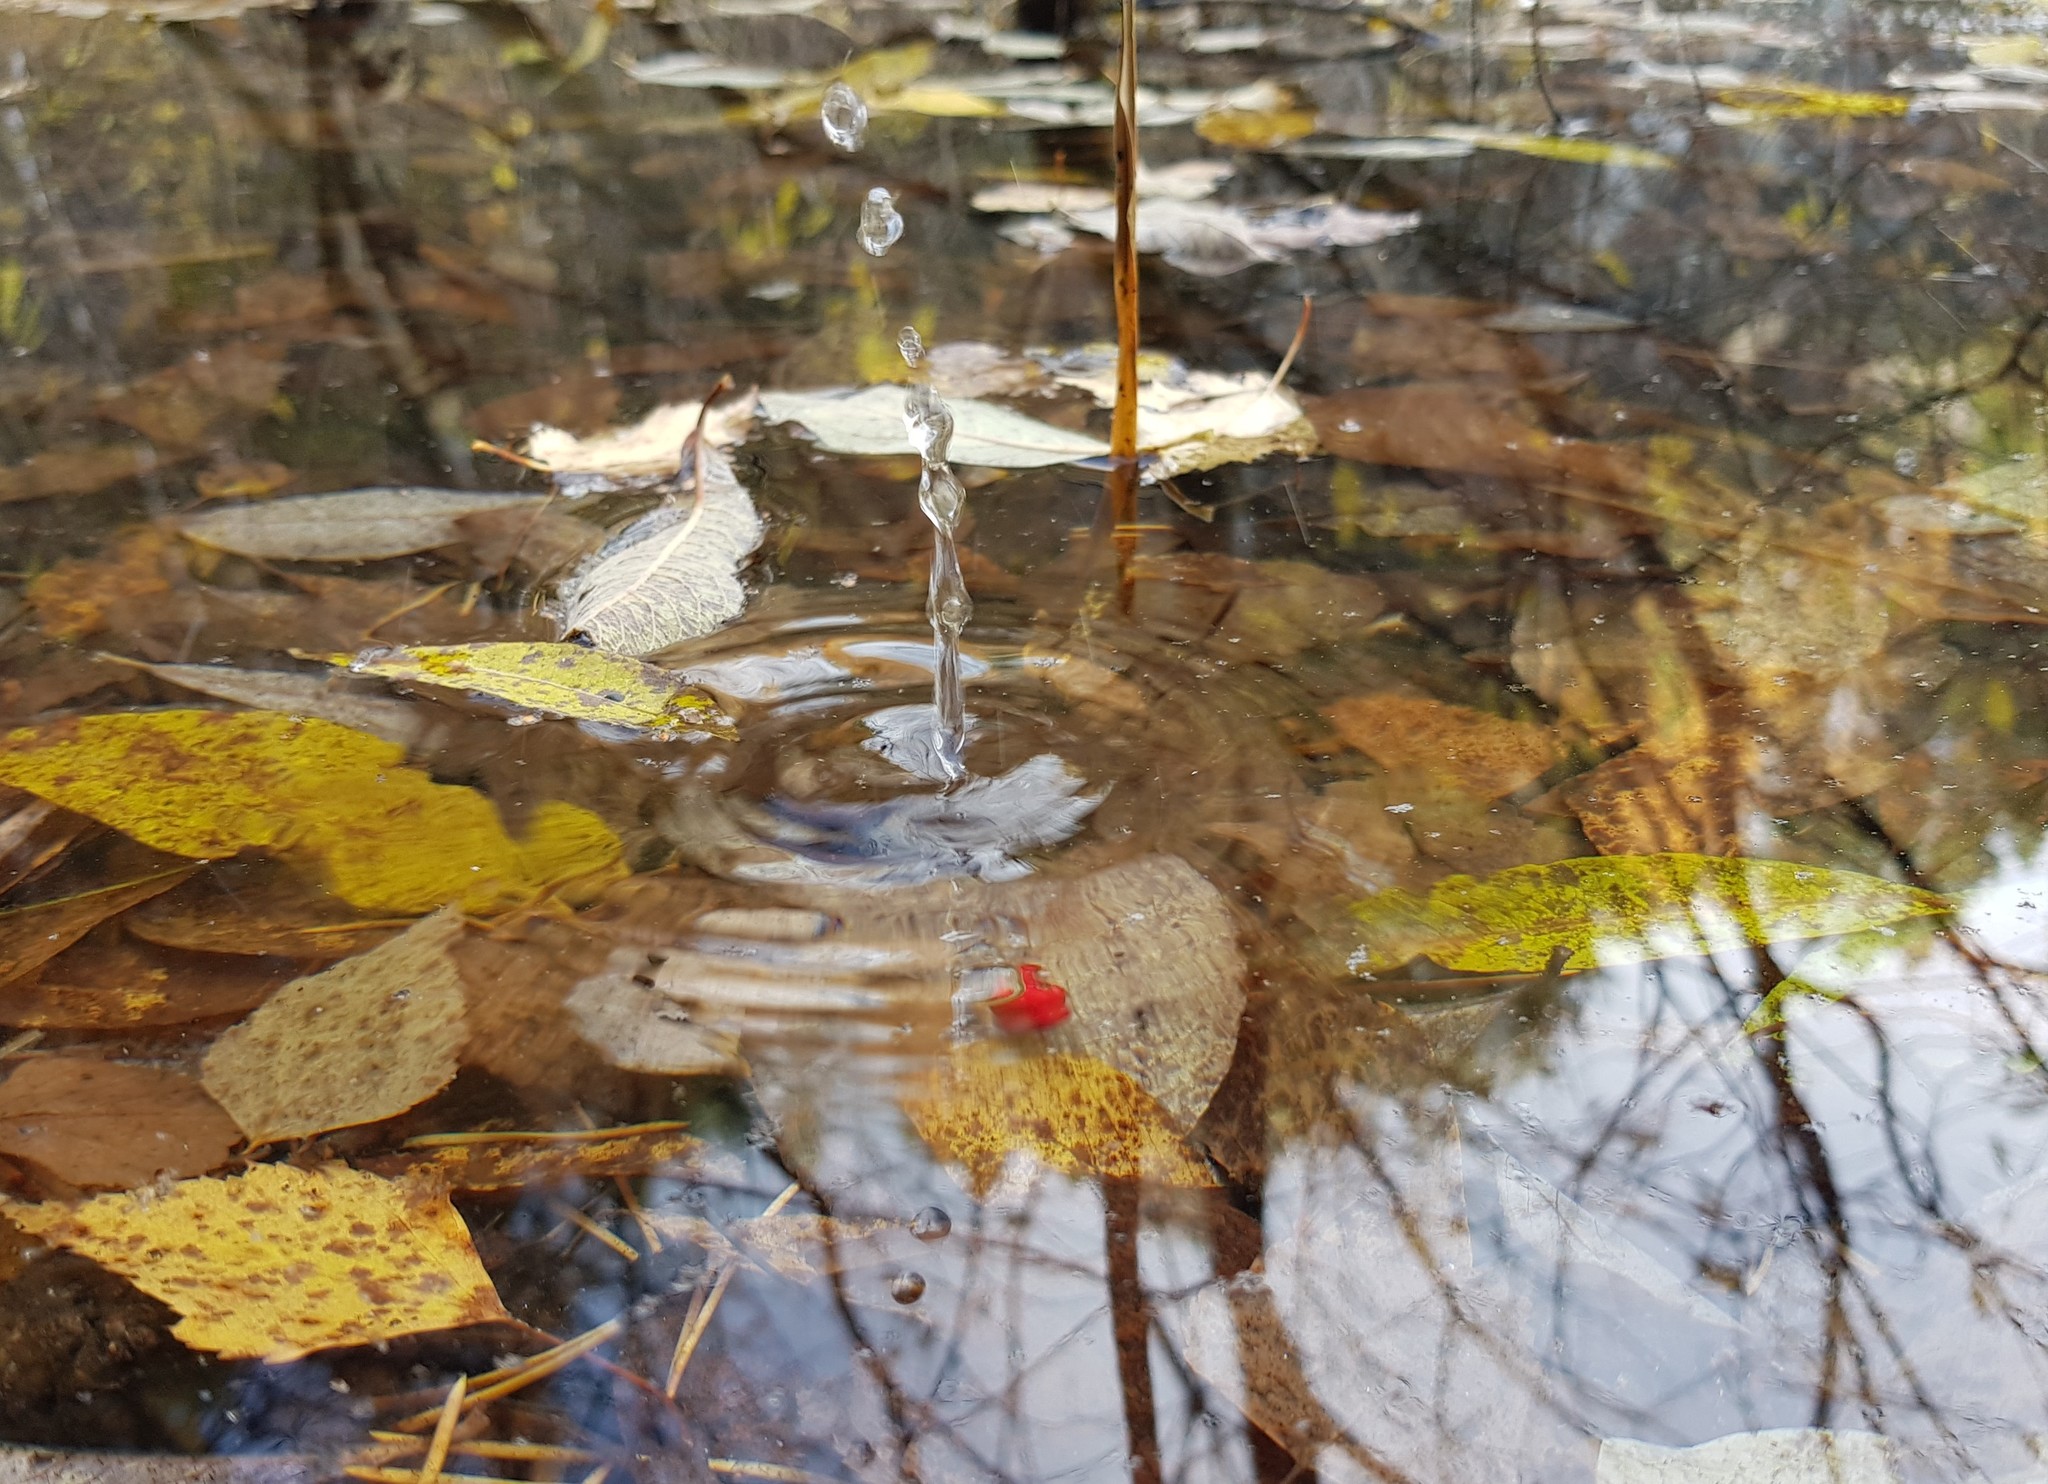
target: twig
693 1332
444 1432
479 446
591 1229
1121 486
492 1385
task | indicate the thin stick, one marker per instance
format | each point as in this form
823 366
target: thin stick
1121 487
591 1229
519 1377
631 1202
1293 347
479 446
485 1448
444 1432
740 1468
693 1334
402 609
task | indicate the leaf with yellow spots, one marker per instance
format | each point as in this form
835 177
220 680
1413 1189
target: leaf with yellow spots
1476 752
1624 909
1071 1113
280 1262
569 680
208 784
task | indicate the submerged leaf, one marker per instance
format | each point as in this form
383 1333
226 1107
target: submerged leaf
297 693
1070 1113
31 936
351 526
359 1043
556 680
869 420
109 1126
279 1262
650 449
671 575
1211 240
1779 1455
1482 754
207 784
1625 909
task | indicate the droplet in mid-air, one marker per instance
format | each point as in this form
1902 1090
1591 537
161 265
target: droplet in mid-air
910 345
907 1287
941 496
929 422
844 116
880 226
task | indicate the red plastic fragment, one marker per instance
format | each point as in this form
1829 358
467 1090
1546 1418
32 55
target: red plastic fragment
1038 1004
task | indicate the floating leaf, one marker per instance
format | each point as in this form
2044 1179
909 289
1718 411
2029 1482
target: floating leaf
1796 100
556 680
31 936
638 1029
671 575
1780 1455
108 1126
1483 754
650 449
869 420
1556 147
1071 1113
359 1043
73 471
206 784
297 693
1625 909
1256 128
350 526
1210 241
279 1262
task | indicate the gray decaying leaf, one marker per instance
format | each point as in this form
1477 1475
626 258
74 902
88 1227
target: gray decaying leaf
671 575
347 526
1784 1455
328 697
638 1029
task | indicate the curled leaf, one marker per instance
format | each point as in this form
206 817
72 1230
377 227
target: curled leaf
671 575
556 680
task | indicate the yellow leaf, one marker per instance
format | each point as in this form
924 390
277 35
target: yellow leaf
1072 1113
1794 100
207 784
1244 128
889 70
279 1262
1624 909
1475 751
357 1043
557 680
939 103
1575 151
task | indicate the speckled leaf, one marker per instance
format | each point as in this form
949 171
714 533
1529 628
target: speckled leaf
207 784
358 1043
1624 909
1071 1113
349 526
556 680
279 1262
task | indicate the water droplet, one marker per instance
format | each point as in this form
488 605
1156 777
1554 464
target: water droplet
880 226
929 421
940 495
907 1287
932 1224
1349 425
911 344
844 116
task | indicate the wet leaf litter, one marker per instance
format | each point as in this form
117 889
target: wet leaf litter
551 930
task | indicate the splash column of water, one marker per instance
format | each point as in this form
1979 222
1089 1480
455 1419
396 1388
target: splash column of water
940 495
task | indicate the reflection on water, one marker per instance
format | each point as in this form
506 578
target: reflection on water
1660 470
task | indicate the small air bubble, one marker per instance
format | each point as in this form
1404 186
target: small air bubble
931 1224
907 1287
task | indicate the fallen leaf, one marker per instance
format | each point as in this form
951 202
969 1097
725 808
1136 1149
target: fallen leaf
279 1262
1577 151
556 680
650 449
580 400
1625 909
298 693
176 407
1784 1455
1464 429
521 1162
31 936
74 471
638 1029
22 1463
869 421
1070 1113
1249 128
1798 100
1210 240
111 980
75 598
104 1125
1184 180
358 1043
257 908
207 784
348 526
671 575
34 836
242 481
1483 754
1654 799
1558 319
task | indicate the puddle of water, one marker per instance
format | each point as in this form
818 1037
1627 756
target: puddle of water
1659 471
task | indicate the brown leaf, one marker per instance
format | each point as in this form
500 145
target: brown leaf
235 479
79 596
33 835
110 981
108 1126
359 1043
1458 428
31 936
1647 801
1483 754
581 402
520 1162
74 470
177 406
258 908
